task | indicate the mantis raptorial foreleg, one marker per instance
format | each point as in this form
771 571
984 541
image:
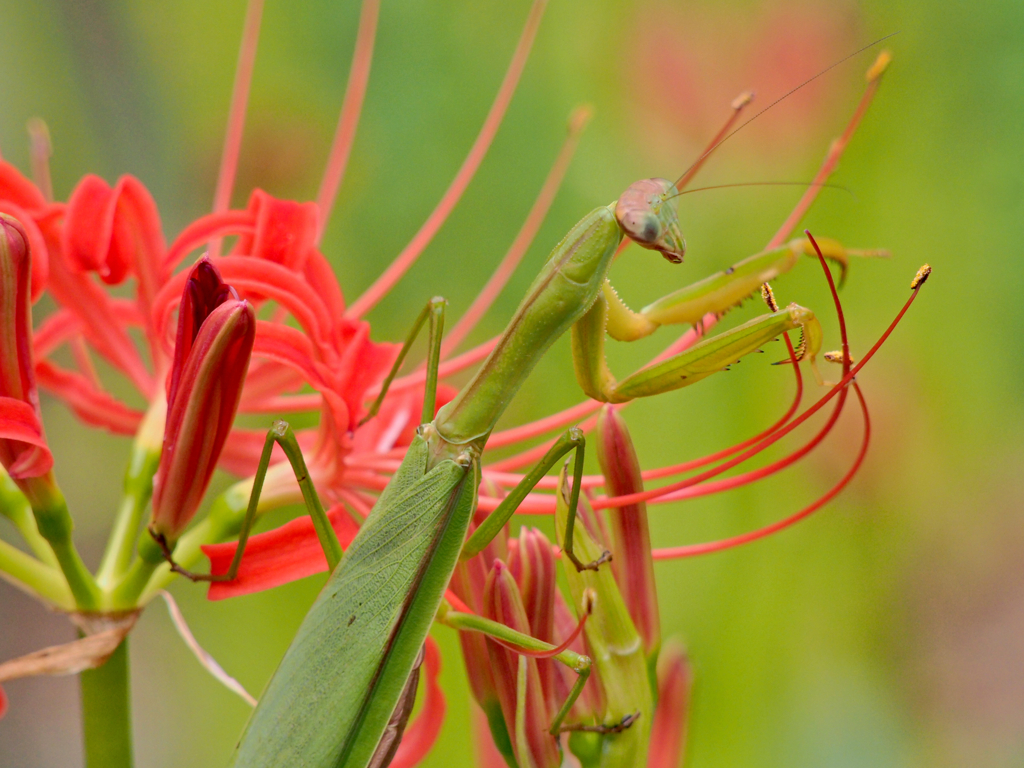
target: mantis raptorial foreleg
714 295
720 292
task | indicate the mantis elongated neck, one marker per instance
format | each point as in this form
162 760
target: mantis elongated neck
565 288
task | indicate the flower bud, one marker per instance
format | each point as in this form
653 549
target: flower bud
630 542
532 564
668 734
215 337
23 450
532 745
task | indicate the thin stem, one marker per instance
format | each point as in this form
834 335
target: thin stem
351 108
106 712
138 488
15 507
55 525
453 194
236 113
31 576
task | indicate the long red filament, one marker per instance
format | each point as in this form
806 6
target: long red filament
523 239
236 113
348 118
691 550
421 239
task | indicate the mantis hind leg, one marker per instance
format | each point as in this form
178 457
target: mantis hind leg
572 439
434 311
281 434
529 646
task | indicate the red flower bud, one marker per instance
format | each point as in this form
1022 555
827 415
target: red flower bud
503 603
532 563
630 535
668 733
216 332
23 450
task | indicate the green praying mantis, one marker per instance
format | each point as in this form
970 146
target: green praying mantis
336 690
342 689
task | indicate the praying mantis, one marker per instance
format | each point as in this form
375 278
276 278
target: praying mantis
338 685
345 681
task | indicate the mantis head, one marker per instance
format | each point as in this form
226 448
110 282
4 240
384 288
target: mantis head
649 219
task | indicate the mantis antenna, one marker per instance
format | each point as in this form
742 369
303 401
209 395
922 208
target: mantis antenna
784 96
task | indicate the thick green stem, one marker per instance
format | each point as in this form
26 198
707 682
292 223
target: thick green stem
106 712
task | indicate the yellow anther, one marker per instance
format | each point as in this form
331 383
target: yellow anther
769 297
580 117
880 65
742 100
837 357
920 277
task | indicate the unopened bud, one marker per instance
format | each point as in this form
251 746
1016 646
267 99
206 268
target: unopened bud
668 734
23 450
216 332
630 535
504 604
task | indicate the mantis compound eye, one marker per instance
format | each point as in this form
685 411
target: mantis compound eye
648 218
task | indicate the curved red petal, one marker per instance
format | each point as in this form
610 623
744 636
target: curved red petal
276 557
91 404
19 423
88 233
285 231
203 230
18 189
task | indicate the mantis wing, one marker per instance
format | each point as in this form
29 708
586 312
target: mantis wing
336 688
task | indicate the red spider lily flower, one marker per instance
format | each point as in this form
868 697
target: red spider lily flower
216 331
23 450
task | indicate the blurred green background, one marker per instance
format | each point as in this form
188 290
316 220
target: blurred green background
886 630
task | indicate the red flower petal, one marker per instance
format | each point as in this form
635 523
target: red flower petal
20 423
285 231
115 231
91 404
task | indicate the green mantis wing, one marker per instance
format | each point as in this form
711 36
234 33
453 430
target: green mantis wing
336 688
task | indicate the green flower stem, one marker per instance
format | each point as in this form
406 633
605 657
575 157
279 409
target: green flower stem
150 557
55 525
15 507
106 712
28 574
138 488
